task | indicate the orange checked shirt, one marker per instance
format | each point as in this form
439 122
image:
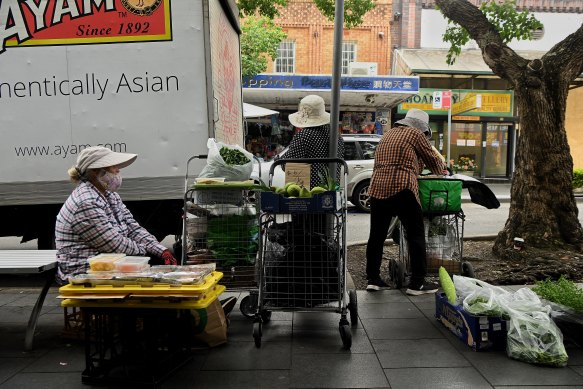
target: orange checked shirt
399 159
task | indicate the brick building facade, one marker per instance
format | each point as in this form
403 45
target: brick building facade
313 35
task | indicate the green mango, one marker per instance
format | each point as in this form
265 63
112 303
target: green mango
317 190
304 192
281 191
293 190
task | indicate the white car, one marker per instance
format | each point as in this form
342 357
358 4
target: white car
359 152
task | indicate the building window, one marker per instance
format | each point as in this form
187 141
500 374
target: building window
348 55
286 55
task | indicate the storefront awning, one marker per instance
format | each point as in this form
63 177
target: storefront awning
253 111
284 92
423 62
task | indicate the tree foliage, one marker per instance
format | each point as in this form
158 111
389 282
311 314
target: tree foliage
259 41
354 10
509 23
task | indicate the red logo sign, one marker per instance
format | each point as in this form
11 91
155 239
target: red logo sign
46 23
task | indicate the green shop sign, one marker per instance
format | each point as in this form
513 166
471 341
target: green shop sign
494 102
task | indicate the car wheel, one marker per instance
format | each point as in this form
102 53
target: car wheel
360 197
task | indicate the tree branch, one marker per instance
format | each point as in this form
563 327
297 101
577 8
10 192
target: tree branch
566 56
503 61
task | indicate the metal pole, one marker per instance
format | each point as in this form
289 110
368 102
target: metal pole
449 133
335 87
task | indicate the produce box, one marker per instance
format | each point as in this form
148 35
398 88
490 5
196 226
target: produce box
478 332
319 203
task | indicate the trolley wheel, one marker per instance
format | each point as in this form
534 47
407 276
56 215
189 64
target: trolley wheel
468 270
248 306
345 335
257 333
397 273
265 316
353 307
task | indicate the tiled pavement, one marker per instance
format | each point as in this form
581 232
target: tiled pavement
396 344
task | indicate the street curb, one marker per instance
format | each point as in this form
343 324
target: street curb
389 242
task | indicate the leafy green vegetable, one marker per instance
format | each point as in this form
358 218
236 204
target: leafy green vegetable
447 285
327 181
233 156
562 291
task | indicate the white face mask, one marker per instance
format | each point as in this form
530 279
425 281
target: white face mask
110 181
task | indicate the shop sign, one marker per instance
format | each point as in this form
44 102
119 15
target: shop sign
495 103
470 103
407 84
466 118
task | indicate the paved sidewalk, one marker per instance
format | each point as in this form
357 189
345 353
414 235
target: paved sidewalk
396 344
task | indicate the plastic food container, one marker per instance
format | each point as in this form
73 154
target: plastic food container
185 278
104 262
97 278
132 264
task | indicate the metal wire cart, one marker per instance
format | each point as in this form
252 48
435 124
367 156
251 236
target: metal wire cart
221 225
444 232
303 255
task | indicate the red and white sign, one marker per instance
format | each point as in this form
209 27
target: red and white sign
441 99
446 99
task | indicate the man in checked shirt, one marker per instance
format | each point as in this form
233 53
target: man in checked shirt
400 157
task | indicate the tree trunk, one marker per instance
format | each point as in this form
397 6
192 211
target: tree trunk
543 210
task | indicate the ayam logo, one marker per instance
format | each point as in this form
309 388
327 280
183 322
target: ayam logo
44 14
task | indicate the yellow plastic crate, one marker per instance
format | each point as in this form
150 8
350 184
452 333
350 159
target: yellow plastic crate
158 303
155 289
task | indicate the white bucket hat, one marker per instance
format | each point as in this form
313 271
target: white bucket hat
311 113
416 118
97 157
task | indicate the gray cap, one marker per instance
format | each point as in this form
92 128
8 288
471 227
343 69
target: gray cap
416 118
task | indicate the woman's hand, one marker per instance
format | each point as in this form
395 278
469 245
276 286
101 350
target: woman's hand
168 258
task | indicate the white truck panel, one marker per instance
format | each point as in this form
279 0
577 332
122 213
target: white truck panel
148 98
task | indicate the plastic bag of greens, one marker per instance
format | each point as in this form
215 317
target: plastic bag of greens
534 338
523 300
229 161
465 286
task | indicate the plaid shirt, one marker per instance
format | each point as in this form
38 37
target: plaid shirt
90 223
399 159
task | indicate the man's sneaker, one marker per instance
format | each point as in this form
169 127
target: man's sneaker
378 284
424 288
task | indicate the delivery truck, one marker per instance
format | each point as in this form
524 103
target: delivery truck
151 77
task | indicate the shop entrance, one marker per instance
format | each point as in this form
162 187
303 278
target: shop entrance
480 149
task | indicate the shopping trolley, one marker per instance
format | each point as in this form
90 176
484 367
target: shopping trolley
443 221
303 255
221 225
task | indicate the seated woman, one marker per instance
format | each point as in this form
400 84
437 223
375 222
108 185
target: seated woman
94 219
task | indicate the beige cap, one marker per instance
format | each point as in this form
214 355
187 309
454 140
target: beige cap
311 113
97 157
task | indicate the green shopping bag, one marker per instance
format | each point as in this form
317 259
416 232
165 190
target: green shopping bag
440 195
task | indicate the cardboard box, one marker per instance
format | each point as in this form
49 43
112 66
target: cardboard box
320 203
478 332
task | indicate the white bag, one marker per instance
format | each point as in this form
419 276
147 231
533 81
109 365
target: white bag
217 167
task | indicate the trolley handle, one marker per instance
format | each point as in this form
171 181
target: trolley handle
308 160
201 156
